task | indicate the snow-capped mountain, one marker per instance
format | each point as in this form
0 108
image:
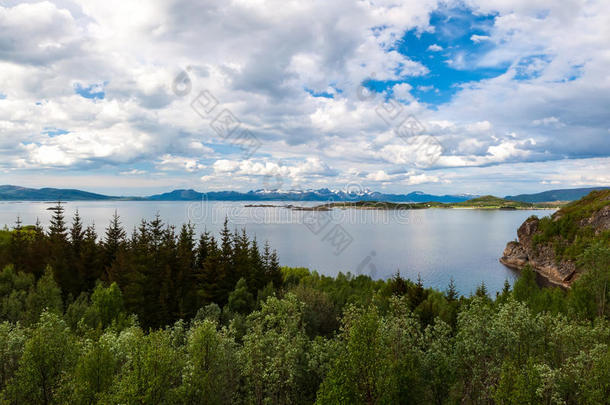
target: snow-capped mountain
322 194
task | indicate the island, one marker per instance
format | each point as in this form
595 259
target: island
488 202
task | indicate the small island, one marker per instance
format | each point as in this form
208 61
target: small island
488 202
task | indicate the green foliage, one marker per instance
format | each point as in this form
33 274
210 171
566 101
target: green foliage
241 300
275 352
48 357
12 342
306 338
565 231
152 371
212 370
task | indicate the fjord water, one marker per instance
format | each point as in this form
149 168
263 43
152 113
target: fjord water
436 244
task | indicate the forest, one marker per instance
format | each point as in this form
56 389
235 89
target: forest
160 315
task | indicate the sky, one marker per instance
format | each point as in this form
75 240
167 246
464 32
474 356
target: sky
473 96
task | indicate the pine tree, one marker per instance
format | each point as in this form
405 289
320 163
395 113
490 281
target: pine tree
451 292
256 276
113 241
38 254
60 252
241 255
77 233
398 285
227 276
77 238
209 276
481 290
90 257
273 272
185 273
417 295
57 229
203 249
18 246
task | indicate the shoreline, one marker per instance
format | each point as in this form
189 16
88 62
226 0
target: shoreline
541 279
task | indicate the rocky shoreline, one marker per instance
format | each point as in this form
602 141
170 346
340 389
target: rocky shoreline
542 257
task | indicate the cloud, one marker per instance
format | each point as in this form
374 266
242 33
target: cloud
479 38
179 163
103 72
549 121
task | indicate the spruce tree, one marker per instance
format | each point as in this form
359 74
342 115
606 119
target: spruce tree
57 229
113 241
451 294
227 276
77 237
18 246
185 272
256 276
59 248
90 258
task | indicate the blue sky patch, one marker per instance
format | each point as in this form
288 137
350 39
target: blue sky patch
324 94
93 91
53 132
450 50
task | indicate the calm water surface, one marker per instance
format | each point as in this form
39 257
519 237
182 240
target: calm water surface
436 243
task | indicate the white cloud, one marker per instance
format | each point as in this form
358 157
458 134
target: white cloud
260 58
179 163
479 38
549 121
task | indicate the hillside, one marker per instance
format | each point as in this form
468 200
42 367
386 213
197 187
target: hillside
552 245
492 202
16 193
555 195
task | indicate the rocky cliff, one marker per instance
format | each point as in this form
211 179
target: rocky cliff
551 245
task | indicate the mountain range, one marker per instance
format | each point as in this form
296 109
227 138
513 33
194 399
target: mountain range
555 195
16 193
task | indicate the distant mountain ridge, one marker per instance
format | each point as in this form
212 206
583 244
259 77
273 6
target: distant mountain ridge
323 194
555 195
16 193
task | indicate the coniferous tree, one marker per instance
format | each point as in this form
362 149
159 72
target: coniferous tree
227 276
186 261
113 241
274 272
77 238
451 294
38 253
90 259
59 260
256 275
241 255
417 294
18 246
209 277
203 249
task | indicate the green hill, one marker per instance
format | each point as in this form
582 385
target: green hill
555 195
492 202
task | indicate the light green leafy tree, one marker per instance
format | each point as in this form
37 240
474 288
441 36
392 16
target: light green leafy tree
212 371
48 358
275 353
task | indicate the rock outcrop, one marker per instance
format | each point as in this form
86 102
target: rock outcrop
592 213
